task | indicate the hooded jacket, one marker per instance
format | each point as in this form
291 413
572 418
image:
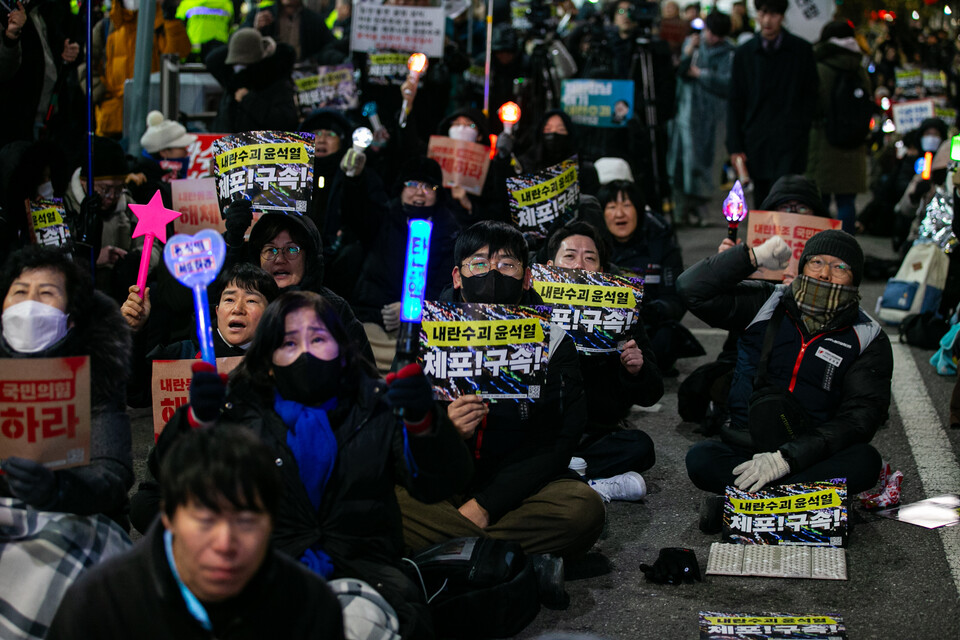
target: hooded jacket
538 156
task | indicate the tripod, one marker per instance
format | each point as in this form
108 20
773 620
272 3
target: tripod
654 89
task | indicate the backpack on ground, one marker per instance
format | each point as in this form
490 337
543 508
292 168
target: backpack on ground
924 330
478 587
918 285
848 115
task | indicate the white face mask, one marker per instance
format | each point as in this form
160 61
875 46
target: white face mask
131 5
930 143
463 132
31 326
45 190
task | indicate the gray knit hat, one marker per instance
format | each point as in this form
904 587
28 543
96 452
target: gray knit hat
248 46
838 244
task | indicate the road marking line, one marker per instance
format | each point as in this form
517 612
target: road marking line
936 464
709 332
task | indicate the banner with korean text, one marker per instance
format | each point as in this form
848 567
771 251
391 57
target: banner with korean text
598 103
464 164
806 514
545 198
378 27
715 625
46 222
329 87
201 155
795 229
171 386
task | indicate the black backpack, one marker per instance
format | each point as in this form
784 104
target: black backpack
851 108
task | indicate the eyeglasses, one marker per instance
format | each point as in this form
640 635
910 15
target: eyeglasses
794 207
817 265
481 266
290 253
324 133
106 190
419 186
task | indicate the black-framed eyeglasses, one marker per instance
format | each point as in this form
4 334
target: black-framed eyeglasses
270 254
420 186
480 266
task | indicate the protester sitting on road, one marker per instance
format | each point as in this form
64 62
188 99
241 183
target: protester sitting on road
830 363
645 244
58 523
522 489
207 569
615 452
307 393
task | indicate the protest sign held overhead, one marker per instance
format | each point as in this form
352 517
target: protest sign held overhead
378 27
386 68
273 169
330 87
201 155
597 310
803 514
538 200
795 229
464 164
908 115
197 202
171 386
495 351
598 103
46 223
45 410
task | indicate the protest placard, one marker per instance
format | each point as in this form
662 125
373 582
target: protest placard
539 200
934 82
201 155
908 115
274 169
495 351
598 103
387 68
45 410
378 27
464 164
795 229
196 200
329 87
909 82
806 18
715 625
171 386
597 310
803 514
45 220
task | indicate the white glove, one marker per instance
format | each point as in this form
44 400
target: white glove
353 162
754 474
774 254
391 316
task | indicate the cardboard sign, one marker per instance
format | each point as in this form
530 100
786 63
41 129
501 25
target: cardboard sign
597 310
331 87
45 410
46 224
387 68
376 27
598 103
274 169
733 626
196 200
171 386
806 18
494 351
908 115
538 200
795 229
464 164
201 155
805 514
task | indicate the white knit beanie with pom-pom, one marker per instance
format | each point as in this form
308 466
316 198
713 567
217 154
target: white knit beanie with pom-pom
164 134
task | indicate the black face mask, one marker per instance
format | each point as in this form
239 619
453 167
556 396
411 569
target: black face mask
492 288
555 147
414 212
308 379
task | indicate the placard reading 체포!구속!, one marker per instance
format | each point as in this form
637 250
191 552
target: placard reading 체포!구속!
330 87
45 410
464 164
715 625
809 513
274 169
598 103
495 351
47 226
597 310
538 200
387 68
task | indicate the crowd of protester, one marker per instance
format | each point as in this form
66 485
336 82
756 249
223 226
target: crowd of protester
323 459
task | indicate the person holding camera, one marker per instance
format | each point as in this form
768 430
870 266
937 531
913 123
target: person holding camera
812 381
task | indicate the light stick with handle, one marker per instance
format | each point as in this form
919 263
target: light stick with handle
152 220
195 262
417 64
411 298
734 210
509 113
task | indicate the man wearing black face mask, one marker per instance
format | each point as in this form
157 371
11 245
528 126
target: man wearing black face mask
521 489
381 228
554 142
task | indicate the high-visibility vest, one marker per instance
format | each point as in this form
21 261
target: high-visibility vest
206 20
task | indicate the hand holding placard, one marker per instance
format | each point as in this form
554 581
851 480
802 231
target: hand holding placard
152 219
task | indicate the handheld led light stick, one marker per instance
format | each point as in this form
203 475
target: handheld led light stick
362 138
411 298
509 114
152 219
734 210
417 64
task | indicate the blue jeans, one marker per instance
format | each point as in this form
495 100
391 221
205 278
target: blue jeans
846 209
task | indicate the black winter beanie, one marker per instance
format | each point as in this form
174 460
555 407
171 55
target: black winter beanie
839 244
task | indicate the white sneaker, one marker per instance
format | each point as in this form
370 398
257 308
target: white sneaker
626 486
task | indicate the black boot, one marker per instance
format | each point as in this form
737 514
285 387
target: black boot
549 570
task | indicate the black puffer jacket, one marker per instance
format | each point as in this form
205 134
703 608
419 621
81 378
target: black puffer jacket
269 105
715 290
101 486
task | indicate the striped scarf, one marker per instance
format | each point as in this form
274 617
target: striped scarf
819 301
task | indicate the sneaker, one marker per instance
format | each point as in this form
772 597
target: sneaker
626 486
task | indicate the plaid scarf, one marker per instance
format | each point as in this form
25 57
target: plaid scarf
819 302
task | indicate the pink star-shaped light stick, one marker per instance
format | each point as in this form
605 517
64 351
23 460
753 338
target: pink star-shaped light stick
152 219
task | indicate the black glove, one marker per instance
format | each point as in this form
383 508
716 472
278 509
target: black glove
409 389
674 565
90 223
207 390
238 215
30 481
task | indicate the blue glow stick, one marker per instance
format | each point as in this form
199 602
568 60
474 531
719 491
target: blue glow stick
415 271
